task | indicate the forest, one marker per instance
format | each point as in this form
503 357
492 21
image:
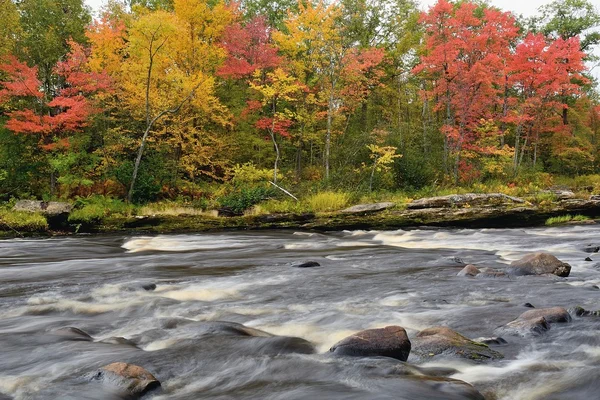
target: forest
214 103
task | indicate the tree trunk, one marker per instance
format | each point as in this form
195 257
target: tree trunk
328 134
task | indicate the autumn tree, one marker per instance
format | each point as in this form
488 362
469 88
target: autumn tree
464 57
10 29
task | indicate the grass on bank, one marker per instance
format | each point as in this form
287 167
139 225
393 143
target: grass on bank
21 221
563 219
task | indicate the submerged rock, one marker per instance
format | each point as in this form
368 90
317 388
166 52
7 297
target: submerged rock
276 345
491 340
130 379
118 340
391 341
308 264
579 311
367 208
453 388
539 264
441 340
230 329
469 270
72 333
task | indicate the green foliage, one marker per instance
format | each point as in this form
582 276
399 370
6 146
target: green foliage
22 221
328 201
93 209
248 173
243 199
563 219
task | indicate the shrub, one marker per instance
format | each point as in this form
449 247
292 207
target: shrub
241 200
249 173
328 201
95 208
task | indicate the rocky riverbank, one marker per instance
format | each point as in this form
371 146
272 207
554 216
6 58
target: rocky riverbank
493 210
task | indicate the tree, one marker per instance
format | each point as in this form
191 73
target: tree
10 29
465 49
276 92
55 119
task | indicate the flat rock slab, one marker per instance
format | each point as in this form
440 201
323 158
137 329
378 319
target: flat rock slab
391 341
43 207
460 200
445 341
552 315
368 208
539 264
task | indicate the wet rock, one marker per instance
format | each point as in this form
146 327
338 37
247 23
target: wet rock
149 286
579 311
528 305
452 388
591 248
444 341
277 345
551 315
130 379
469 270
391 341
491 273
539 264
72 333
368 208
496 340
118 341
588 259
460 200
230 329
309 264
527 327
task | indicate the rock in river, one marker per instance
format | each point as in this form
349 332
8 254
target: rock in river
391 341
539 264
368 208
537 321
469 270
441 340
308 264
130 379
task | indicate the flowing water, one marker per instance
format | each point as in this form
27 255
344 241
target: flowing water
366 280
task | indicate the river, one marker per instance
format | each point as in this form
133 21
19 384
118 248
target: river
366 280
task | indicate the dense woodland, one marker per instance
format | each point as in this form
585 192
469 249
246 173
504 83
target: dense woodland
192 100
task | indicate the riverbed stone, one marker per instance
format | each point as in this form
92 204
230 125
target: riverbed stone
308 264
551 315
368 208
229 329
130 379
527 327
469 270
539 264
495 340
441 340
118 340
391 341
72 333
453 388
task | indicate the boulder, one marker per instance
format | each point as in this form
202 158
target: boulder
368 208
539 264
277 345
579 311
130 379
590 248
469 270
527 327
451 388
461 200
48 208
491 273
229 329
551 315
441 340
308 264
391 341
588 259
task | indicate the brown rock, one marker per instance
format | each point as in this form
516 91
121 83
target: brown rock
129 378
539 264
551 315
469 270
443 340
525 327
391 341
